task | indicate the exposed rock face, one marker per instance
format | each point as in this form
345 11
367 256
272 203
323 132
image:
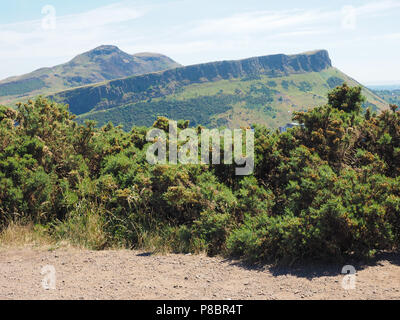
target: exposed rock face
153 85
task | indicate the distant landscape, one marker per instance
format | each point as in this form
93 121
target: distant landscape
264 90
390 96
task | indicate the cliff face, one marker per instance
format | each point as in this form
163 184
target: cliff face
153 85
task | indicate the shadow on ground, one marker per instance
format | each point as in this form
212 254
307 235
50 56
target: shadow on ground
145 254
311 270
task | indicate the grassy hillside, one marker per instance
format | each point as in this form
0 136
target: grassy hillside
236 102
265 90
100 64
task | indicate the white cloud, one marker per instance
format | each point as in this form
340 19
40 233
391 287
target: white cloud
302 33
389 36
99 17
377 7
271 21
73 33
256 22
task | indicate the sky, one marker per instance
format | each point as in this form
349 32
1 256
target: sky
362 36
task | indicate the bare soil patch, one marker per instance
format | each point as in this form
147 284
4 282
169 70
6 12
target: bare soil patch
134 275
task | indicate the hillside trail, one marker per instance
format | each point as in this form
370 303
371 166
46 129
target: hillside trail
134 275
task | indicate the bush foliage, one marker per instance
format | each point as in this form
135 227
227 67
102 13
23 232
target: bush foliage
327 189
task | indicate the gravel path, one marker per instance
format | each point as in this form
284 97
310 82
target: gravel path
134 275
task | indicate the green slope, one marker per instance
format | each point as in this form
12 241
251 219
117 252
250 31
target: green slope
98 65
263 90
235 102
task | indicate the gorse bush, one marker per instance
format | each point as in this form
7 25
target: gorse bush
327 189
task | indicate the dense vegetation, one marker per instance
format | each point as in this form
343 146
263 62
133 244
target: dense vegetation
327 189
200 110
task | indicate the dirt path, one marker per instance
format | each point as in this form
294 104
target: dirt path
134 275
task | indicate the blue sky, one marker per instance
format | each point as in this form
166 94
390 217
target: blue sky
362 37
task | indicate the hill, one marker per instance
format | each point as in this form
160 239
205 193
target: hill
263 90
98 65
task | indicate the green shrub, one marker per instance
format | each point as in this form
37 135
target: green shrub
327 189
212 230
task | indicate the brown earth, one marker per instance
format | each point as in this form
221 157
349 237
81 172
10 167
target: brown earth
133 275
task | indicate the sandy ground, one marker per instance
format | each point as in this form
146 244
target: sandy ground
132 275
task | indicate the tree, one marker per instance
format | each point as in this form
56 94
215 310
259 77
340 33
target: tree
348 99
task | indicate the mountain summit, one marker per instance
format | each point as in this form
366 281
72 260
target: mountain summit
100 64
109 62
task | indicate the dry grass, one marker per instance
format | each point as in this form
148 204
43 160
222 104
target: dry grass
65 235
84 229
24 234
